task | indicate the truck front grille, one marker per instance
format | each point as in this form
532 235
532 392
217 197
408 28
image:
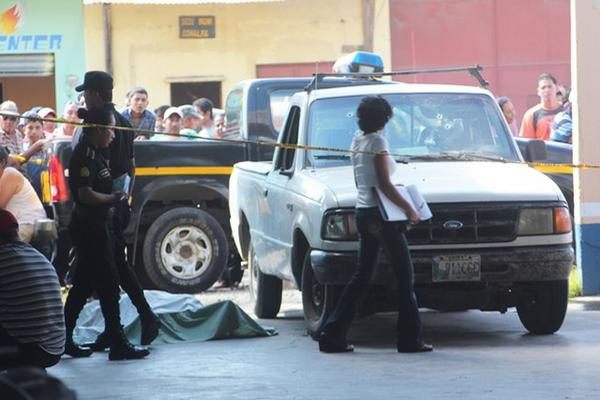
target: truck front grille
477 223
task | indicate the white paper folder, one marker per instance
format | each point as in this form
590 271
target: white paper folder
391 212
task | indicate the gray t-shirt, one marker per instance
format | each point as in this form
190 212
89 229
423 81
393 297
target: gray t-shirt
365 175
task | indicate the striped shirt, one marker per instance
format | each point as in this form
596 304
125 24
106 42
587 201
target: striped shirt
562 127
31 309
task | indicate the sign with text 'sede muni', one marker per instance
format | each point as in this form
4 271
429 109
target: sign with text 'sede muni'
47 27
196 27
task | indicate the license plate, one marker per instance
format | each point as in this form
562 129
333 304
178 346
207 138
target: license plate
456 268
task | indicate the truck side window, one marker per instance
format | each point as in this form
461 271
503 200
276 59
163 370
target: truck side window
285 157
233 112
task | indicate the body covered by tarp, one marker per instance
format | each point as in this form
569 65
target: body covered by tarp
183 318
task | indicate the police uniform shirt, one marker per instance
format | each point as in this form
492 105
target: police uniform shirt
88 167
120 151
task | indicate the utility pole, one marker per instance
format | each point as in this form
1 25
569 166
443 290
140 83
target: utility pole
368 23
107 19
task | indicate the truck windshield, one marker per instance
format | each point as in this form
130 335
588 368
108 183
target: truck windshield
424 127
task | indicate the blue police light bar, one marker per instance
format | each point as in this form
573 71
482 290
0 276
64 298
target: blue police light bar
359 61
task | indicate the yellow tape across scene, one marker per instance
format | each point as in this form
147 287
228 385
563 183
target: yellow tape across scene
555 168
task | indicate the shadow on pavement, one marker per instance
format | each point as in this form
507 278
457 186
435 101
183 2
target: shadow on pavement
454 330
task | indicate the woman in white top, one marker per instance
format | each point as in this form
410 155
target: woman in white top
373 166
18 196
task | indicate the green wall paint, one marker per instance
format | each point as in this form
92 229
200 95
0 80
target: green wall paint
47 26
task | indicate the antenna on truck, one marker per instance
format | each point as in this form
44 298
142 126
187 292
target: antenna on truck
474 71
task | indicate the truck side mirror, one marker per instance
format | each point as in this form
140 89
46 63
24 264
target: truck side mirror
535 150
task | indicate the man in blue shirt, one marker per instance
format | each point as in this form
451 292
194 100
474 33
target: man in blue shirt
137 113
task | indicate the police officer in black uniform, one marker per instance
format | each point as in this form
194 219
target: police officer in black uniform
97 87
91 184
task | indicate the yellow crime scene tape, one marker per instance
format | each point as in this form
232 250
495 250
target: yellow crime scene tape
550 168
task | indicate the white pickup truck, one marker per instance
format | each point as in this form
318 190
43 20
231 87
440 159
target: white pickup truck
500 235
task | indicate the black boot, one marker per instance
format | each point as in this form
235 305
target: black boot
101 343
121 349
75 350
329 345
150 328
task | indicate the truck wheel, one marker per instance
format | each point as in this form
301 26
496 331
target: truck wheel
318 300
185 250
265 290
543 306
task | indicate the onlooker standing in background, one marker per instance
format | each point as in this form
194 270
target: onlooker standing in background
69 114
190 123
508 109
36 163
562 126
32 311
561 94
137 113
9 137
172 122
537 120
49 126
159 112
204 107
219 125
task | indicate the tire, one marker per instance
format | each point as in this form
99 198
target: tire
265 290
318 300
185 251
543 306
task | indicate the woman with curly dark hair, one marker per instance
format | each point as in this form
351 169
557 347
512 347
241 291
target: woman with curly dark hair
373 167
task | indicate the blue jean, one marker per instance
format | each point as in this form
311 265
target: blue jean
374 233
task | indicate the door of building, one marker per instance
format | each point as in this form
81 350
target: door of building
186 92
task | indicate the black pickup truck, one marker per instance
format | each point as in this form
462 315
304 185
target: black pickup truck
179 236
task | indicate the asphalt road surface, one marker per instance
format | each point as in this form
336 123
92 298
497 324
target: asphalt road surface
477 356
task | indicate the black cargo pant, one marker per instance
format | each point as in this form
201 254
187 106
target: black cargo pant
127 277
374 232
95 271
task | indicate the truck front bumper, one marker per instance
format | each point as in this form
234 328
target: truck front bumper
498 265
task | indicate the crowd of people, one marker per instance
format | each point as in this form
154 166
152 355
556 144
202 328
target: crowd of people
25 137
550 119
199 120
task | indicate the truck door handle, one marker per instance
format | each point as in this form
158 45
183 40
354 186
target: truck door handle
265 192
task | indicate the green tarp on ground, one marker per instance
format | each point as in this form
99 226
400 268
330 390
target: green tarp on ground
183 318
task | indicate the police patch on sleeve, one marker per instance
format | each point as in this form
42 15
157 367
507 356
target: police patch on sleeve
84 172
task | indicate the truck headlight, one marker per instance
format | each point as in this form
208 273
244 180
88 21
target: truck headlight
544 221
339 225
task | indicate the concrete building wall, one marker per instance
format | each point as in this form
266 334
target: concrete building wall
147 49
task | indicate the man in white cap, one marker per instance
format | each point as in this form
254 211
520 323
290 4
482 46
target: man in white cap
172 121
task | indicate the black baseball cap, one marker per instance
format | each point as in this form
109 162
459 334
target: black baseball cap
96 80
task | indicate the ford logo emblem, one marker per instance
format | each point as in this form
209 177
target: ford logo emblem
453 225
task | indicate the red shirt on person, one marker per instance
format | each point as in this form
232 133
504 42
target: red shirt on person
537 122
